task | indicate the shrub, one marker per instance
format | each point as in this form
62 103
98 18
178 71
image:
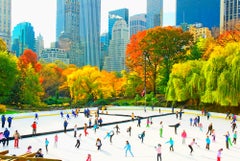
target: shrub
3 108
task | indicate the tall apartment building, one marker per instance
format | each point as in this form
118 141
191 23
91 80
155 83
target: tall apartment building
199 11
90 25
137 23
23 37
5 21
230 14
154 13
114 16
115 61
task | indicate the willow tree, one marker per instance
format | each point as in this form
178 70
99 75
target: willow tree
186 82
222 74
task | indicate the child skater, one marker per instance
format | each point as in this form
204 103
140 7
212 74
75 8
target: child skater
159 152
219 154
127 148
234 137
191 145
208 141
171 142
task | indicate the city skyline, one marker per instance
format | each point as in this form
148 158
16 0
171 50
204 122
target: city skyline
42 14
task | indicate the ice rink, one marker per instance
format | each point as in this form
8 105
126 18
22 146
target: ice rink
66 151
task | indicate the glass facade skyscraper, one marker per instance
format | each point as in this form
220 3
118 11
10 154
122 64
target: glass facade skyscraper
198 11
60 18
154 13
5 21
115 15
90 25
137 23
23 37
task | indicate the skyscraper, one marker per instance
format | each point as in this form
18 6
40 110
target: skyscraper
115 15
39 44
137 23
115 61
23 37
231 14
5 21
60 17
198 11
90 25
154 13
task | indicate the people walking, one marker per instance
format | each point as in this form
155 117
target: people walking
9 120
127 148
159 152
3 119
6 134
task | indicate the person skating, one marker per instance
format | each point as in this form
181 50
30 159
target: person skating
34 128
139 122
89 158
171 142
234 125
210 127
129 130
159 152
148 122
65 124
184 136
75 130
85 129
132 116
98 144
141 136
191 145
175 127
227 138
78 143
127 148
109 135
161 129
208 141
117 129
55 140
234 137
46 144
219 154
16 137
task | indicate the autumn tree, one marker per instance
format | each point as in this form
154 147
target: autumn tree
3 45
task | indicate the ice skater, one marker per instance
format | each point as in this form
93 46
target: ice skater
65 124
55 140
159 152
16 137
78 143
89 158
85 129
127 148
46 144
75 131
234 137
34 128
117 129
175 127
129 130
9 119
184 136
141 136
148 122
219 154
161 129
171 142
208 141
98 144
191 145
139 121
210 127
109 135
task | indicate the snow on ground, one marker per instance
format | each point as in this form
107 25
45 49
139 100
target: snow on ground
65 150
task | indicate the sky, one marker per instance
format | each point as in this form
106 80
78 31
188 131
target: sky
42 14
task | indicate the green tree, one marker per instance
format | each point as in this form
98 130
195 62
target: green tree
3 45
8 74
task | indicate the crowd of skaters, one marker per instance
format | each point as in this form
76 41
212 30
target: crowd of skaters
98 123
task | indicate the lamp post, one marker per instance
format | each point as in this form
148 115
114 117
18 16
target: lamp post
145 77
